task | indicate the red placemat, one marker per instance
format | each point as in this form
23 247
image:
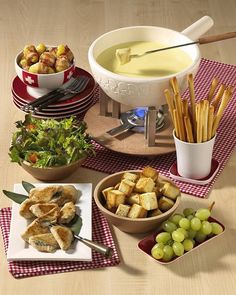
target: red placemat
101 234
109 162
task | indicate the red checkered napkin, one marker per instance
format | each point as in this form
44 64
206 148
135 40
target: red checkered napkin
109 162
101 234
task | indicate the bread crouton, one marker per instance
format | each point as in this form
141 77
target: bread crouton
137 211
114 199
126 186
106 190
130 176
123 210
133 199
144 185
149 201
154 212
170 190
150 173
165 204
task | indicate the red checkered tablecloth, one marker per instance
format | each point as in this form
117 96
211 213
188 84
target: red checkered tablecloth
109 162
101 233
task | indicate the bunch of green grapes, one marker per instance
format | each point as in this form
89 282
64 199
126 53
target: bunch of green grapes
182 231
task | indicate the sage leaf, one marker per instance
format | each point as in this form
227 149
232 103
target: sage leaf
18 198
27 186
75 224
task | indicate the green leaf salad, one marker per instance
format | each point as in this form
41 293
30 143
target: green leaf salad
50 143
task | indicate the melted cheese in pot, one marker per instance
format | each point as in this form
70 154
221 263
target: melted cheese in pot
156 64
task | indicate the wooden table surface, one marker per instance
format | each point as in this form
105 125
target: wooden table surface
210 270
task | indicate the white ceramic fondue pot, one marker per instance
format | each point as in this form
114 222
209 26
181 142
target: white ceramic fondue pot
140 92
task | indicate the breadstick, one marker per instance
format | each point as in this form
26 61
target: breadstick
188 128
180 117
199 122
205 119
226 97
214 84
174 85
176 123
218 96
192 99
210 122
170 103
185 107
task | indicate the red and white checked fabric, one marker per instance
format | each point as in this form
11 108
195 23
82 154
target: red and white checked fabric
101 233
109 162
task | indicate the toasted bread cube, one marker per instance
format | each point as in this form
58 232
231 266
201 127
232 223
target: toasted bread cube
137 211
154 212
126 186
133 199
117 185
165 204
144 185
149 201
106 190
130 176
170 190
150 173
156 189
123 210
114 199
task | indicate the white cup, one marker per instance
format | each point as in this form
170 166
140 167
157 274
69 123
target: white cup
194 159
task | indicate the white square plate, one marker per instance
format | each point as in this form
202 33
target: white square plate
20 250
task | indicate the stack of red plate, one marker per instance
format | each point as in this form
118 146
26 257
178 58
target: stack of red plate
71 107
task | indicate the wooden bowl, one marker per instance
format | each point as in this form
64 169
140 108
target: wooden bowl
137 225
52 173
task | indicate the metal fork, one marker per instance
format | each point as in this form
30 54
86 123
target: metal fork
62 90
65 94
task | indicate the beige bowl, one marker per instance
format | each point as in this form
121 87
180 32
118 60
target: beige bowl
137 225
52 173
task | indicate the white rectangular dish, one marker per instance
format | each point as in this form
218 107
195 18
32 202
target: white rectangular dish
18 249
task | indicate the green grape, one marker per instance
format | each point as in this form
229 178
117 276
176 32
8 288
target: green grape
168 253
190 217
183 231
169 226
177 236
203 214
188 211
178 248
163 237
216 228
191 233
157 252
176 218
170 242
206 228
184 223
188 244
200 237
195 224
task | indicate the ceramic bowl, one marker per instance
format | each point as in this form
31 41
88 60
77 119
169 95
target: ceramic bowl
137 225
52 173
40 84
139 92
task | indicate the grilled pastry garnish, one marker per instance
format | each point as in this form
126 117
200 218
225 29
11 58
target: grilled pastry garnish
69 194
63 236
67 213
41 209
46 194
50 217
35 228
25 209
44 242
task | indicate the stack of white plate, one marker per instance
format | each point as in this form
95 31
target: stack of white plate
72 107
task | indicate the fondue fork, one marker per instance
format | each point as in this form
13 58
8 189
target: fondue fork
124 55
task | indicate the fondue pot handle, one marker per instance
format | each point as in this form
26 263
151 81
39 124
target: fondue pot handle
198 28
